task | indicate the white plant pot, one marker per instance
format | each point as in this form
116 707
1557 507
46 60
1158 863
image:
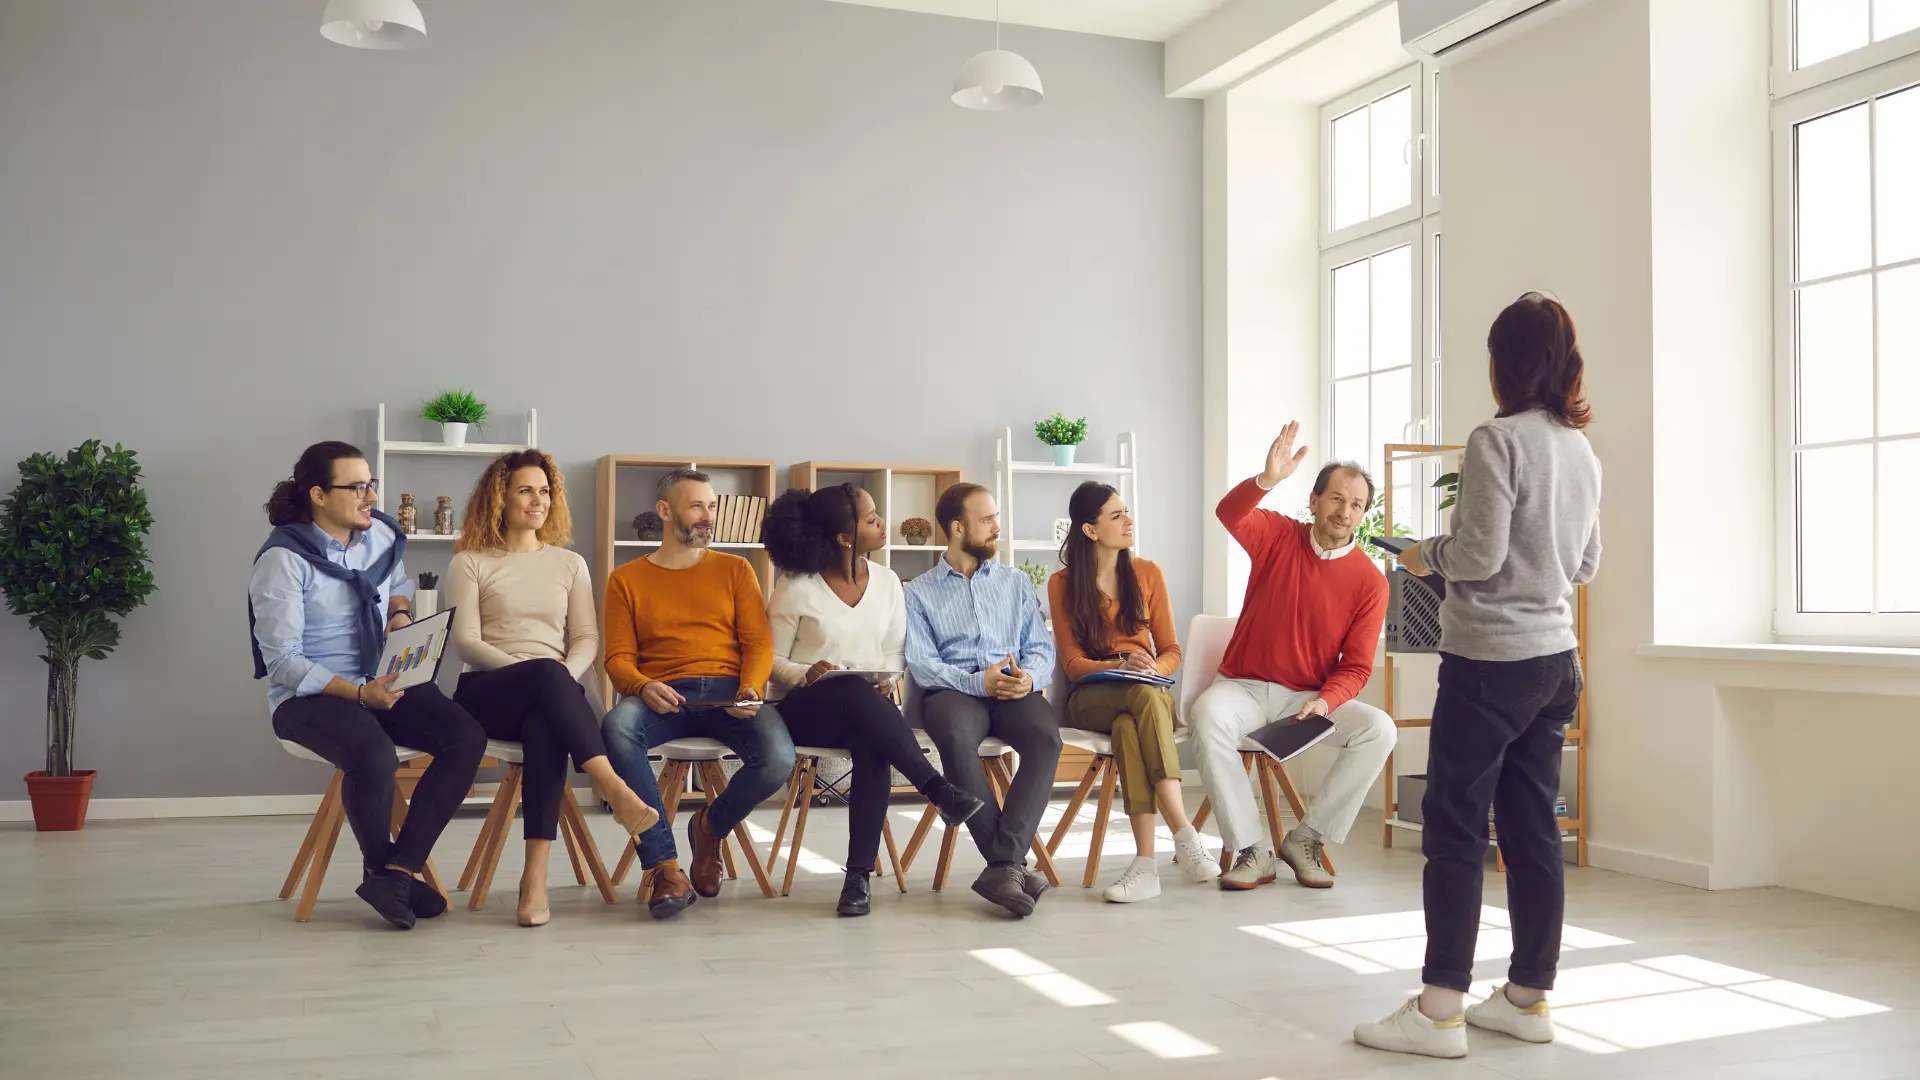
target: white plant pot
1063 455
453 434
426 603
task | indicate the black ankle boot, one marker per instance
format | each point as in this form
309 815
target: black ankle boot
856 896
954 803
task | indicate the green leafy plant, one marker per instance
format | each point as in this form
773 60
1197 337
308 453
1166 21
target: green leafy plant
1035 573
455 407
73 559
916 526
1449 487
1057 430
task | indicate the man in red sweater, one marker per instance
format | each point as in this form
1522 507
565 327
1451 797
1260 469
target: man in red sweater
1304 646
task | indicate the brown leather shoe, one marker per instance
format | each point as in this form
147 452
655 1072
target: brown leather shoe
666 891
707 866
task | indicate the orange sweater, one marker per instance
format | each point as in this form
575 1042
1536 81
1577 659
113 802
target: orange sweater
1308 623
1155 638
707 621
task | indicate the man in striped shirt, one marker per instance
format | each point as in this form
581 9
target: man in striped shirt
978 650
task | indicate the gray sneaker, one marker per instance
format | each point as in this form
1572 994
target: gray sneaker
1308 860
1035 883
1252 868
1005 886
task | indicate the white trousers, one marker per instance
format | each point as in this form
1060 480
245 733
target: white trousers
1231 709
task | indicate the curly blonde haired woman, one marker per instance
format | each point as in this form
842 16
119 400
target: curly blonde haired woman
524 620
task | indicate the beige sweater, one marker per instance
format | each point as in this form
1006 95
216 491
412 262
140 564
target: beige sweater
514 606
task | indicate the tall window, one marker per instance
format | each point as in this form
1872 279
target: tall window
1847 183
1380 244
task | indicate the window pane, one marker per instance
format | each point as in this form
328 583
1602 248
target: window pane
1836 360
1350 169
1896 148
1899 312
1831 194
1826 28
1433 131
1899 525
1892 17
1836 497
1350 319
1392 154
1406 502
1392 408
1350 420
1392 308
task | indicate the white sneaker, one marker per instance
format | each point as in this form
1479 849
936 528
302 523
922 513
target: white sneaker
1408 1031
1532 1024
1140 881
1191 854
1252 868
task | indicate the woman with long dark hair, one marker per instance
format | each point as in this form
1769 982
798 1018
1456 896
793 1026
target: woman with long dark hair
524 620
1111 613
1525 534
835 609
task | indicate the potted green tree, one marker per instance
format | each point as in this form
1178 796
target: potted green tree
1063 435
73 559
455 411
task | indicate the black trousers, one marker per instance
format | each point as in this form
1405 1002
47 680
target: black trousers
1497 732
957 723
848 712
360 743
541 706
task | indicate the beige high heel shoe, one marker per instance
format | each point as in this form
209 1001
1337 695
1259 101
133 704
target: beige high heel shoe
530 918
640 821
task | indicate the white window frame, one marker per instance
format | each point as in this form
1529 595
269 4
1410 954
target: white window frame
1872 71
1417 225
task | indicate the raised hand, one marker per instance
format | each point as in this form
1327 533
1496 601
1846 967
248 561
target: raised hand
1282 458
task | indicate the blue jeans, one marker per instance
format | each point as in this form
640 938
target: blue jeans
765 749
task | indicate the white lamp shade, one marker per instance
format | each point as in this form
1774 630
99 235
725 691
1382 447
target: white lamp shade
997 79
374 24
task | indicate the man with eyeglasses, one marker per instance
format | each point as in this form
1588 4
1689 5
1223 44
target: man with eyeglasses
327 587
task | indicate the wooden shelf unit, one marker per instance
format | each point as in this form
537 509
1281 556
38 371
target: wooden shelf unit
1577 735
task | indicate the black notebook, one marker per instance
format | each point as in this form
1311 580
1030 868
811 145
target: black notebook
1289 738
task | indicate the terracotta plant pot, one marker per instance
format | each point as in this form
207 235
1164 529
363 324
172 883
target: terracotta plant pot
60 802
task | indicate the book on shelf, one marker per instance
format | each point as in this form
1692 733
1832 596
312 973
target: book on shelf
722 534
759 521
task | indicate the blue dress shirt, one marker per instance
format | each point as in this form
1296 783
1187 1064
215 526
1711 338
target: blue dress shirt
307 622
959 626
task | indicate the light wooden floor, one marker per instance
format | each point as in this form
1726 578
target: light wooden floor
156 949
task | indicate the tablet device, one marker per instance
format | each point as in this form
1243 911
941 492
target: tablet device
414 651
1394 544
872 675
1289 738
1151 678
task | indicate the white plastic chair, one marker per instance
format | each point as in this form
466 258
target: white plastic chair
684 756
804 786
499 823
316 851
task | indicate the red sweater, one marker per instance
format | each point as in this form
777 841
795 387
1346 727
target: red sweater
1307 622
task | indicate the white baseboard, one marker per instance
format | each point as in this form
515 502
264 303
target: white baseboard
135 809
1647 865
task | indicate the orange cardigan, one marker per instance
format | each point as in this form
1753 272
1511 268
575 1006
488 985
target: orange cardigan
1156 638
706 621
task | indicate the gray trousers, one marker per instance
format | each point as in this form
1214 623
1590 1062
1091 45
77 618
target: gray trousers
957 723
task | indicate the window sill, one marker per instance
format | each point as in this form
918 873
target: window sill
1857 656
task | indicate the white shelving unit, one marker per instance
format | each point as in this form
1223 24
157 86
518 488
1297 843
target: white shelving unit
899 491
401 447
1122 473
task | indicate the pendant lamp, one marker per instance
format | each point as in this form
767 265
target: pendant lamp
374 24
997 79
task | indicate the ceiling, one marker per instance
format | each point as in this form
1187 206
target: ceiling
1146 20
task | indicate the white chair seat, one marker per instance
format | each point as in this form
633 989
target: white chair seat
512 753
992 747
401 753
1248 746
837 753
1094 741
693 748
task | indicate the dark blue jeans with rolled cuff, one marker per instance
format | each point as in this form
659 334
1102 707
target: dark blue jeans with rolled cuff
761 741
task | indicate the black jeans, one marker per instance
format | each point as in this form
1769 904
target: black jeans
848 712
360 743
1498 728
957 723
538 704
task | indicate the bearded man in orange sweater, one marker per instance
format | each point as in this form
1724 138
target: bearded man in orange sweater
1304 646
689 650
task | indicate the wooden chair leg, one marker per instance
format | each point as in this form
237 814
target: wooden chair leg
317 872
799 825
893 855
713 786
786 811
495 815
1270 795
312 841
1206 810
573 826
920 831
718 782
671 778
1109 772
1000 774
566 835
940 868
491 860
1074 804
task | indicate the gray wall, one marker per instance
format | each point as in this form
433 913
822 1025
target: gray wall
718 227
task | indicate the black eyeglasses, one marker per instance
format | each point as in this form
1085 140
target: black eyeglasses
360 490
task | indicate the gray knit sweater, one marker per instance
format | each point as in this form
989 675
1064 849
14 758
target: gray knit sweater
1525 531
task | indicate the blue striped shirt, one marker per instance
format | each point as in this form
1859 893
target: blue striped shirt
959 626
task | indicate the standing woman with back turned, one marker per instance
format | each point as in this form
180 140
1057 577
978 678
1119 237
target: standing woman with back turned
1525 533
523 618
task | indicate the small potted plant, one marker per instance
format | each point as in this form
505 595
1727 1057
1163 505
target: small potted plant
917 530
1036 574
1063 435
649 526
73 559
455 411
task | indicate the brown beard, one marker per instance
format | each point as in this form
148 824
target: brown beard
983 552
